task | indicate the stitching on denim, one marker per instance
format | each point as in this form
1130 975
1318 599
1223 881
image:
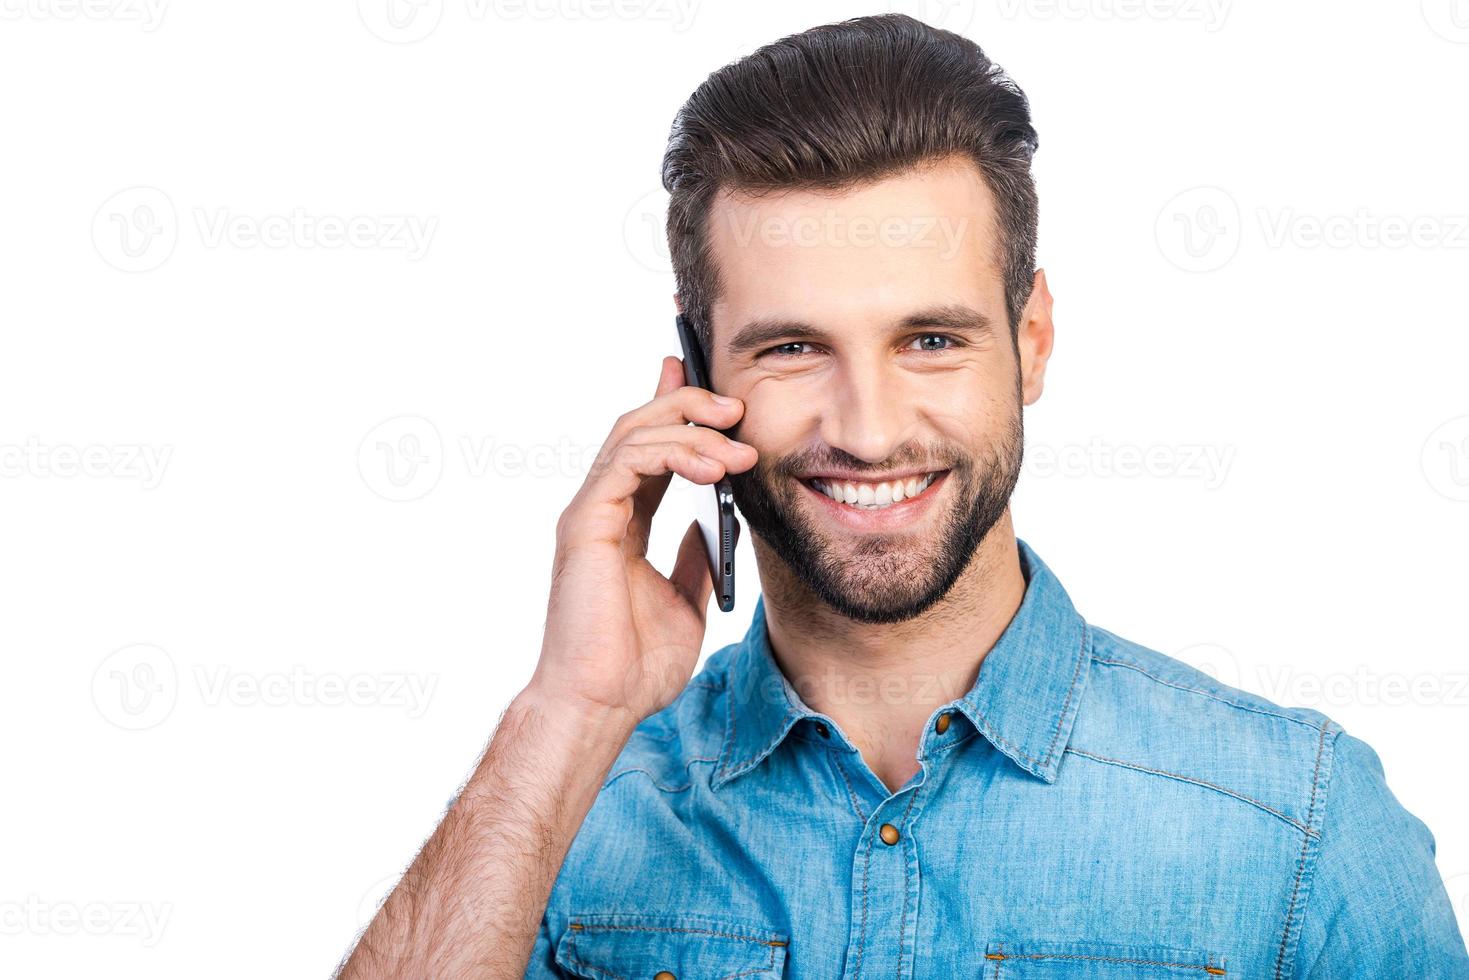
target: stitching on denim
1102 959
1075 675
1290 909
723 773
944 750
730 770
583 926
856 805
1207 694
739 768
862 936
572 957
653 777
767 969
1081 658
907 879
595 927
1005 742
1197 782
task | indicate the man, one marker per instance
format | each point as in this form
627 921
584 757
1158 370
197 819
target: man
920 761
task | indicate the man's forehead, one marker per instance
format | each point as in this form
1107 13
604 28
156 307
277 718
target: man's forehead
912 237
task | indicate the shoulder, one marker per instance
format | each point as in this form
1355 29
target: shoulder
1165 719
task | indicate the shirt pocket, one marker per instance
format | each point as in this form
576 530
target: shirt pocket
628 946
1047 960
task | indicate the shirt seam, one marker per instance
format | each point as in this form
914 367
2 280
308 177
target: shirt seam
856 805
653 777
1207 694
1226 791
1306 860
907 876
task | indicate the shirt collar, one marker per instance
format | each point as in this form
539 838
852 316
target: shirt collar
1024 699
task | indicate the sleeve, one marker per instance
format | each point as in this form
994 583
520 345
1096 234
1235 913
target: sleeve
1377 906
542 965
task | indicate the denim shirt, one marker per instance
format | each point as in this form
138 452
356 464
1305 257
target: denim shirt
1090 808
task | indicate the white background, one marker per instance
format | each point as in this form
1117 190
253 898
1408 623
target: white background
1252 453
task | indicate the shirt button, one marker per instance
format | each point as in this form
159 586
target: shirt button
824 732
941 724
664 975
888 833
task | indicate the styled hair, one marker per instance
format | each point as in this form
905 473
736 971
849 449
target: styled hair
838 106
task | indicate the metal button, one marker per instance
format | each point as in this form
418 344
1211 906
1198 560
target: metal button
941 724
822 730
889 834
664 975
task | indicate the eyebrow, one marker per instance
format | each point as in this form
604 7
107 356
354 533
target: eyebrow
764 332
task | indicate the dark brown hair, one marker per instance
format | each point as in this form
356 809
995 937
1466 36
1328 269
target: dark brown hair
840 105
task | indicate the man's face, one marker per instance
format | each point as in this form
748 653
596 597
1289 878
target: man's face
866 333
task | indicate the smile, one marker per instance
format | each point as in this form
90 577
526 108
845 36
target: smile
861 495
890 506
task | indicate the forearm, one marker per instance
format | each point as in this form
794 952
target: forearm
472 901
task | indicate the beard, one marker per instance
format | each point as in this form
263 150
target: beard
883 578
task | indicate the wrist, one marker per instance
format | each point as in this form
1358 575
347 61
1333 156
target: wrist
578 718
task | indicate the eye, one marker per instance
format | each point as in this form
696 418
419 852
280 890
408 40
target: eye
789 349
934 342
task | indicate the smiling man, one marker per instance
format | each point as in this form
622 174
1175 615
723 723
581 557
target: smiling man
920 760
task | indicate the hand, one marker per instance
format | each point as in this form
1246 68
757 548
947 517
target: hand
621 640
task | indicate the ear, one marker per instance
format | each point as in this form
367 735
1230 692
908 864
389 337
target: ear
1034 339
677 303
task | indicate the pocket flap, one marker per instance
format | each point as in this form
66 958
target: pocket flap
628 946
1049 960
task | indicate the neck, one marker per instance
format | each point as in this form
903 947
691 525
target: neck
881 682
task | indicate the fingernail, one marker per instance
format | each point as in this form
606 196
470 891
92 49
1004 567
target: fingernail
725 400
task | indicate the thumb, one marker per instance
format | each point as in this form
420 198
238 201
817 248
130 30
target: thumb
691 570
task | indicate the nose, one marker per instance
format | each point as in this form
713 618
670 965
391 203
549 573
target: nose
867 412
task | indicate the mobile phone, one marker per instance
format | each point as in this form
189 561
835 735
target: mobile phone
715 512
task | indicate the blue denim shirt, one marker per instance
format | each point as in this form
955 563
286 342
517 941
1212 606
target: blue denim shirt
1090 808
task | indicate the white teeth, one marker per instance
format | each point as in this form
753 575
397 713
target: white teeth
872 496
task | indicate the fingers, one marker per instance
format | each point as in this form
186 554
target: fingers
677 405
711 445
671 376
632 471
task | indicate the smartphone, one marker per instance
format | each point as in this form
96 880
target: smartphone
715 512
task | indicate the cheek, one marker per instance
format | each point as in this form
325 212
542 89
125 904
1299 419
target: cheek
971 410
779 418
